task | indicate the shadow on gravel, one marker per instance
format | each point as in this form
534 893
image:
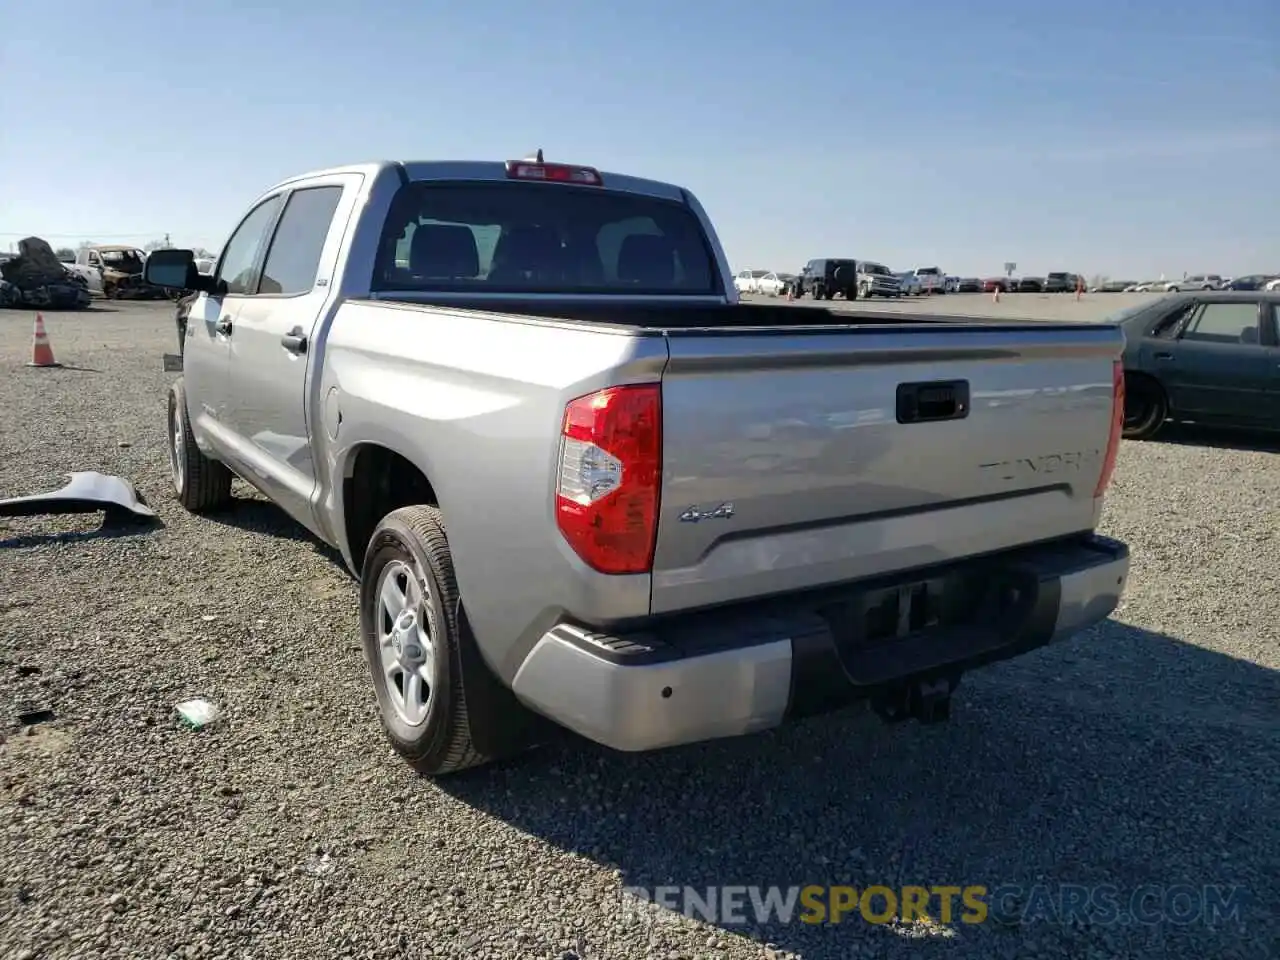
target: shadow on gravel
1224 438
68 367
255 515
107 531
1126 758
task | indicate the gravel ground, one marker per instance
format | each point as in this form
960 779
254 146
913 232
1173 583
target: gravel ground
1142 753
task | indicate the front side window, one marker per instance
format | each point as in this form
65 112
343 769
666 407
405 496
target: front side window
240 257
532 238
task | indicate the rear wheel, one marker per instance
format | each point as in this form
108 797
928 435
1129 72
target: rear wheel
413 644
1145 408
201 484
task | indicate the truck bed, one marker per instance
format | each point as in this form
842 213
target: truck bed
777 316
846 445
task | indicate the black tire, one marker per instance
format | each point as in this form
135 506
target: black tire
414 537
202 485
1145 408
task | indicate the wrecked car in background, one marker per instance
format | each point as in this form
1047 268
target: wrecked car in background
120 268
35 277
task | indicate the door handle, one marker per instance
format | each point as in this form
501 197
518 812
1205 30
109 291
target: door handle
294 341
1164 356
223 326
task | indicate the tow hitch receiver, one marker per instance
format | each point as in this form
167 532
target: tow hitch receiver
928 701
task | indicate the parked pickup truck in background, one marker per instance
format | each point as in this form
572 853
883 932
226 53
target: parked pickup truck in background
582 485
931 279
876 280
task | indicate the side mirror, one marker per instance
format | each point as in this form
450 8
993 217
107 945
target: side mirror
176 270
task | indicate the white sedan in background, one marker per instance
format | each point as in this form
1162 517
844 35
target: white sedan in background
772 284
748 281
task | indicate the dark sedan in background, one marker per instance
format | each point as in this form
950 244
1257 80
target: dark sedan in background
1254 281
1210 356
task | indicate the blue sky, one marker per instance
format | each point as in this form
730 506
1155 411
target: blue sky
1131 139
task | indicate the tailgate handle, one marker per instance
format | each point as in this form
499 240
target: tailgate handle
933 401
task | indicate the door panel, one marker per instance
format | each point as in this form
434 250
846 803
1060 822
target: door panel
210 323
1218 367
270 350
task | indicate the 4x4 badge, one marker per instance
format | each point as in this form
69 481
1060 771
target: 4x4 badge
693 514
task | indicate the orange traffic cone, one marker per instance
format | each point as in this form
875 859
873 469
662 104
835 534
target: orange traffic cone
41 352
1079 289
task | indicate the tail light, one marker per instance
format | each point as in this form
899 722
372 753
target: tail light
1117 428
610 477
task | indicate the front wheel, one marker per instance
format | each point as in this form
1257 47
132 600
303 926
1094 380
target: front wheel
412 642
201 483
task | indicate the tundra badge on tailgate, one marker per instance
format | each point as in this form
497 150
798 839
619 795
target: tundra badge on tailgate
1051 463
722 512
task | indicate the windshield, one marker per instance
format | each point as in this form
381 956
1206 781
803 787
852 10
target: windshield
876 269
541 238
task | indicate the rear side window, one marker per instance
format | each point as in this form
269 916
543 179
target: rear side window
541 238
1235 323
1168 325
295 251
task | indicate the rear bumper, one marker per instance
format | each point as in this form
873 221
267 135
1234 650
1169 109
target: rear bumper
737 671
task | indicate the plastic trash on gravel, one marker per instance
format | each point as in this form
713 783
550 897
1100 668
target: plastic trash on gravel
197 713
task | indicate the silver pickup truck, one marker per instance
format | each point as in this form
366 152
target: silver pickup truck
583 487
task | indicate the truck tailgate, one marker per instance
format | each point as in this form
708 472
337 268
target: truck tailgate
786 463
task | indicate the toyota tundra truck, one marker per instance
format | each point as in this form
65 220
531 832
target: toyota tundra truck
583 487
